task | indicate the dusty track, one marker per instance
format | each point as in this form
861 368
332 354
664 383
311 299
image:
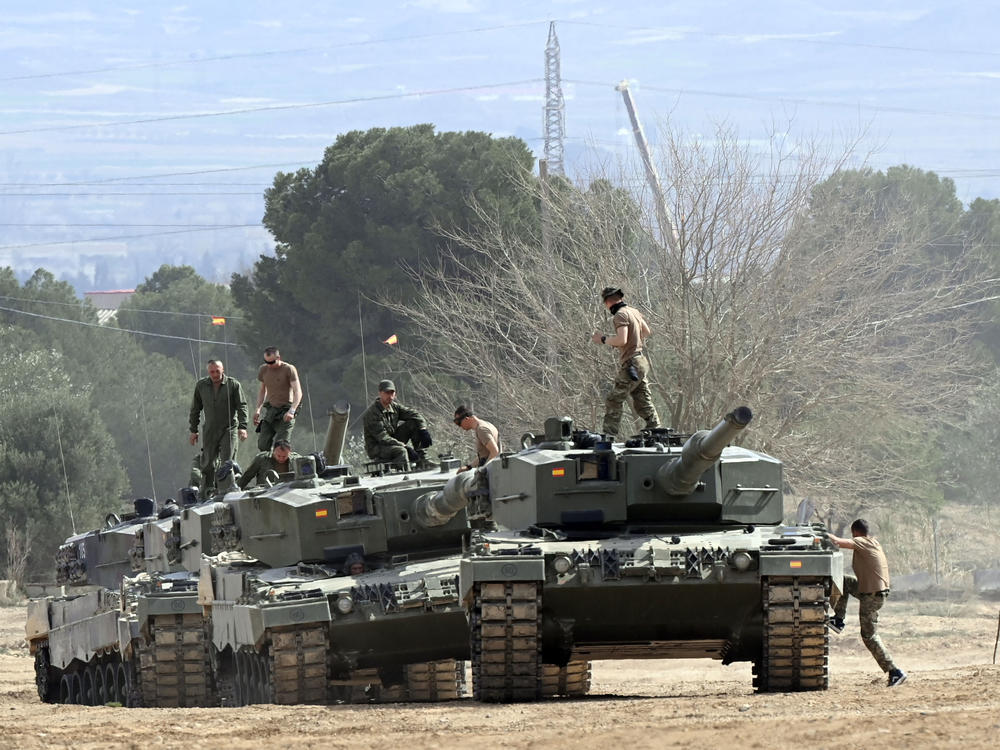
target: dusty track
952 699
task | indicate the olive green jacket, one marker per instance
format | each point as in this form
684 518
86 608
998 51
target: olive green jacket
225 408
258 468
381 423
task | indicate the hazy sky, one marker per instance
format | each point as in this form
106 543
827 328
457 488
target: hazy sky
164 123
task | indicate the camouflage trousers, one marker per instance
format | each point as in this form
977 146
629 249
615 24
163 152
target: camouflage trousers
215 450
273 427
624 387
868 609
398 455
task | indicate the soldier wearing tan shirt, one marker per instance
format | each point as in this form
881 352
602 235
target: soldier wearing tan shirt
870 586
487 437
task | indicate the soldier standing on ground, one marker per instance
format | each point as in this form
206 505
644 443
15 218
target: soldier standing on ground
631 331
389 426
277 401
221 398
279 460
870 586
487 437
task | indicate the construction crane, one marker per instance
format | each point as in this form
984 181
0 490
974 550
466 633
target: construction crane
667 229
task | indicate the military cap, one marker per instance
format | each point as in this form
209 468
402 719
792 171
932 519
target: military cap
611 291
386 385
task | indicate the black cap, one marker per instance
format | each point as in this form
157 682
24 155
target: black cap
611 291
386 385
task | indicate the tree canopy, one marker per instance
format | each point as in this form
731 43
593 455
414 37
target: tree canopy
353 228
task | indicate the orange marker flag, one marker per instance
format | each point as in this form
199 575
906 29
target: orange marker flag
393 339
218 321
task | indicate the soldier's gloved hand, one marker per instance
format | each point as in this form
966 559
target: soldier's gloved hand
412 454
425 438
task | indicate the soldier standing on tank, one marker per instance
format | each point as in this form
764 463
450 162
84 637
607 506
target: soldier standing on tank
389 426
870 586
487 437
221 398
277 401
631 332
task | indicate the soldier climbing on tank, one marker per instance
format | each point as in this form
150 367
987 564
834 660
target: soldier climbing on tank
221 398
870 586
487 437
389 426
631 332
278 460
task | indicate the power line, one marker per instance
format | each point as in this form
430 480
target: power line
257 194
766 37
131 309
274 107
63 226
270 53
128 236
121 330
794 100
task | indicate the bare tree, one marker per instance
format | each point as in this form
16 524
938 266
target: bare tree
848 340
17 553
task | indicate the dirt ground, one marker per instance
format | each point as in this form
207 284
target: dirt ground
952 699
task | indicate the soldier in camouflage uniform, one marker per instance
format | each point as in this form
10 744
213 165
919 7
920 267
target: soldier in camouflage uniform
631 331
221 398
870 586
279 459
389 426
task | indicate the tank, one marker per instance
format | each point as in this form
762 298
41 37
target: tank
664 546
86 642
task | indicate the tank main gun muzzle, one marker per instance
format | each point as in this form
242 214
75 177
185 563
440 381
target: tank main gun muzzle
700 452
437 508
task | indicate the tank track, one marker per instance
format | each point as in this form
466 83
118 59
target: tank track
297 665
572 681
506 641
174 667
104 680
796 641
424 682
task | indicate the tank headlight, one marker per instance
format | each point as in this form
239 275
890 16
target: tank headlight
562 564
345 605
741 561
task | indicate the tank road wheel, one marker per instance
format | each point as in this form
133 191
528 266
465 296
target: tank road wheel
796 642
506 642
175 666
46 678
572 681
112 693
296 665
100 689
88 695
242 678
68 688
435 680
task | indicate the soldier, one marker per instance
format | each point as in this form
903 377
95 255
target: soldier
221 397
631 331
279 460
389 426
870 586
487 437
278 399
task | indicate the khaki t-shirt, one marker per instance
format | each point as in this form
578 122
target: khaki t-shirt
483 432
278 383
870 565
630 318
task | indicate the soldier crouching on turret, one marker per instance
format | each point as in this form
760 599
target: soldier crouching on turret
631 331
389 426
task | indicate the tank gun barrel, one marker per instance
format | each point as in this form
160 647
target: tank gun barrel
333 449
702 449
437 508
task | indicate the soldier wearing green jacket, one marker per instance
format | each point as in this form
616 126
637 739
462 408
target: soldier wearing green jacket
389 426
221 398
280 460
